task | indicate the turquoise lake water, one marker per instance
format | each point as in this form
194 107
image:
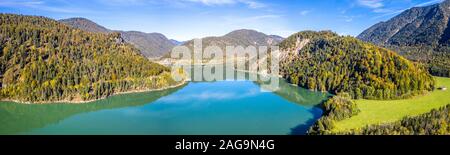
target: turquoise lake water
197 108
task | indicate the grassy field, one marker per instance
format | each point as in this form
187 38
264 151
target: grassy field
376 112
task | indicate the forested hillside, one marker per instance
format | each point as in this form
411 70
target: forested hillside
337 108
325 61
44 60
420 34
436 58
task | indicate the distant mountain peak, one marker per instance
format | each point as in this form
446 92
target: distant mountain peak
151 45
85 24
176 42
241 37
243 31
421 34
155 45
446 3
428 25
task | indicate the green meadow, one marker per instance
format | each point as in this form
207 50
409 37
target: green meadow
387 111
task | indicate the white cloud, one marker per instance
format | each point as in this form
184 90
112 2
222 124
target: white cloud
392 12
9 3
350 18
371 3
382 10
305 12
261 17
41 5
389 12
13 3
213 2
239 21
254 4
250 3
429 3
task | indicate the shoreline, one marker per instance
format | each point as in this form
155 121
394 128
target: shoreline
93 100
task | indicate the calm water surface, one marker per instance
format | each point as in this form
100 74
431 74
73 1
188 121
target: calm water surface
202 108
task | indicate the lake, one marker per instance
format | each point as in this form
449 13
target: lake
198 108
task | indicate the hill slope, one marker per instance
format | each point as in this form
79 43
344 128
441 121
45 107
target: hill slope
420 25
151 45
241 37
325 61
44 60
85 24
420 34
176 42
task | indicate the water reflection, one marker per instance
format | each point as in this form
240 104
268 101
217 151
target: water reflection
298 95
222 107
17 118
285 90
302 128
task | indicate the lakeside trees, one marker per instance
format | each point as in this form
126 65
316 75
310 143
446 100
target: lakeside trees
44 60
335 109
329 62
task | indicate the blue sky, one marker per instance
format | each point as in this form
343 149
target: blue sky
186 19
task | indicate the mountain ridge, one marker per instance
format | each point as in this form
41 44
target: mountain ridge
151 45
240 37
421 34
156 45
85 24
428 25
